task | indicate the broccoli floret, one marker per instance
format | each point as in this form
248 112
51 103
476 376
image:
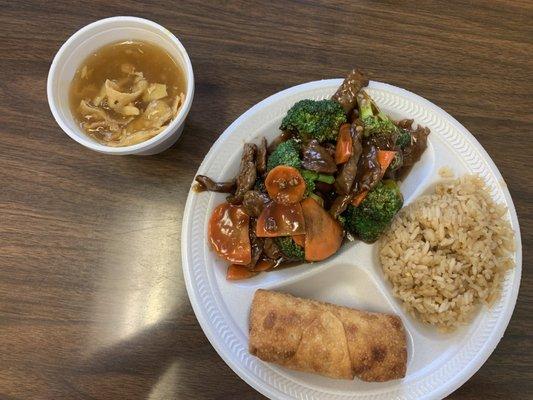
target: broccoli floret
380 125
287 153
376 122
311 177
290 249
312 119
404 139
370 219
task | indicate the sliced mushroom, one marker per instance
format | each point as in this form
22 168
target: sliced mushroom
137 137
157 113
100 96
177 103
98 118
155 91
117 100
130 109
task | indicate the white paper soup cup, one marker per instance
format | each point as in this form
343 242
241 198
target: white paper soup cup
85 42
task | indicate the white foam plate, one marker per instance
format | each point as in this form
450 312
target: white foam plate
438 363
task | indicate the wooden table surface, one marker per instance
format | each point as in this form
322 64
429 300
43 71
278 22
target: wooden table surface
92 299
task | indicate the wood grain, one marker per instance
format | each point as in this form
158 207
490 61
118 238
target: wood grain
92 299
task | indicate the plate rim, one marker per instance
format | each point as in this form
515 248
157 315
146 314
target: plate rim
487 348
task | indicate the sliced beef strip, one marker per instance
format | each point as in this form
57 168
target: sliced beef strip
207 183
346 177
357 138
353 115
262 156
330 148
340 204
368 169
256 243
254 201
271 249
414 151
405 123
346 94
317 158
324 187
247 173
384 142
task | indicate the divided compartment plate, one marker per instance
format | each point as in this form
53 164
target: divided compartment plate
438 363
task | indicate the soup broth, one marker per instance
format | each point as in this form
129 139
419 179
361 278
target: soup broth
127 92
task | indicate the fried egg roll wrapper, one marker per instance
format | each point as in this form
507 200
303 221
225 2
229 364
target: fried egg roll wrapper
326 339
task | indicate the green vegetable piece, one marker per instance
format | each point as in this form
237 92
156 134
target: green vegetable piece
290 249
311 177
314 119
376 122
373 216
404 139
287 153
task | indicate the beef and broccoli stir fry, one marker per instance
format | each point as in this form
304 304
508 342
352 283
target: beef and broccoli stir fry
331 173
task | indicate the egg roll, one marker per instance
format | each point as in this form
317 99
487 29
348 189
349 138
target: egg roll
326 339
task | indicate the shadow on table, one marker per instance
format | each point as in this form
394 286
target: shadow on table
170 359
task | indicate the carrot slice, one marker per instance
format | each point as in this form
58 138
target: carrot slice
385 157
323 234
285 185
343 149
359 198
238 272
280 220
228 233
264 265
299 240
